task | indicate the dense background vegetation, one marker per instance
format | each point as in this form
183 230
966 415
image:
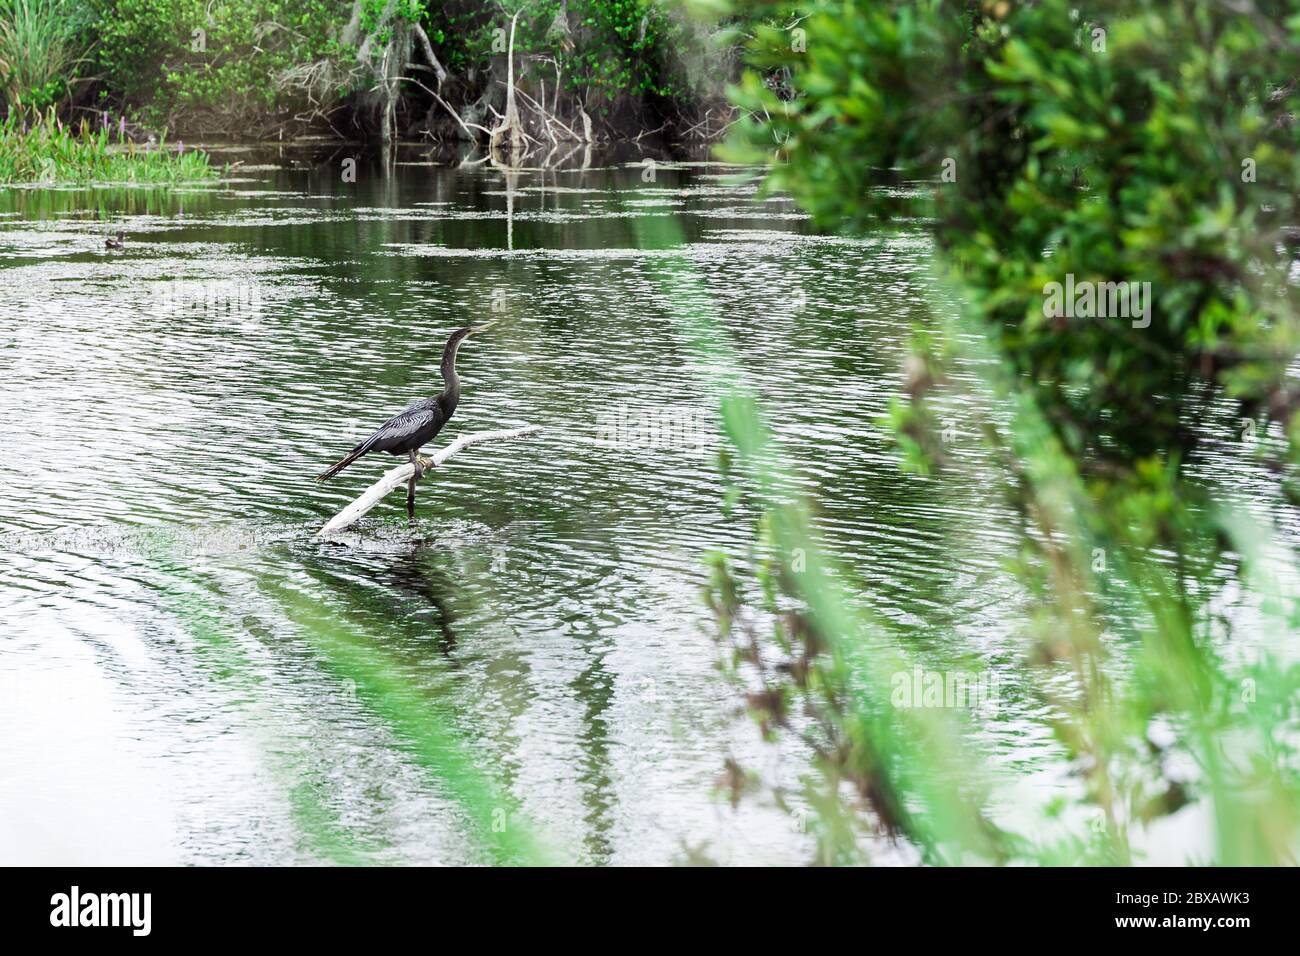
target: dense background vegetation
189 63
266 67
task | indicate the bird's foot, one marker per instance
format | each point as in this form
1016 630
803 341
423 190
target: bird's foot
423 465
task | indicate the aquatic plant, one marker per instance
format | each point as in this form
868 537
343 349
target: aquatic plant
47 150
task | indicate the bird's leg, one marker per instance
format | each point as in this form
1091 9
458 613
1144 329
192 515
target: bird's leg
410 485
418 462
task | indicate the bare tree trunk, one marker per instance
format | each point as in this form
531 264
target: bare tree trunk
386 74
511 123
438 69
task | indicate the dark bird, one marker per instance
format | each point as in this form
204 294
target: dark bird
415 425
118 242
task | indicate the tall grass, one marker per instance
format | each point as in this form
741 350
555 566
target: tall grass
41 46
46 150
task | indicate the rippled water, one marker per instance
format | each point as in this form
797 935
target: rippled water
188 675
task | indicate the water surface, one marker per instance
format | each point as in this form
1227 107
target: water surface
187 675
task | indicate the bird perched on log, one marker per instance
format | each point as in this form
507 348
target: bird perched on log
415 425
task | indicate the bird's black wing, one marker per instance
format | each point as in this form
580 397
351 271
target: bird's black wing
404 430
400 433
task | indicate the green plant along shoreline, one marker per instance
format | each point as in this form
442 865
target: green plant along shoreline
46 151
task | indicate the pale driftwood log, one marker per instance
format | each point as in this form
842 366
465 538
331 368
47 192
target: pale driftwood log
399 476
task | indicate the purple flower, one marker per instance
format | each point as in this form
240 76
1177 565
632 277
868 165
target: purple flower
103 119
180 147
121 128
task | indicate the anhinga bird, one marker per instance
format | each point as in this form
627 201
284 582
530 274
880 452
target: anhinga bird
415 425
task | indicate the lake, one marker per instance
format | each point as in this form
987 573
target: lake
188 675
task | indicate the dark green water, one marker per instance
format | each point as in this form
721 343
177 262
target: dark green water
187 675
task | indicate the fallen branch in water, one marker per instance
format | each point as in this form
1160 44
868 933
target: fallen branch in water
447 106
403 473
547 118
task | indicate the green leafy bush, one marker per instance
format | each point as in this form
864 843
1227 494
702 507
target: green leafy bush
215 64
1122 165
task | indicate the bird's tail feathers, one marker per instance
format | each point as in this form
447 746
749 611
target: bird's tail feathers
342 463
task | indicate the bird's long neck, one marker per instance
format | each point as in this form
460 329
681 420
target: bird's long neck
449 376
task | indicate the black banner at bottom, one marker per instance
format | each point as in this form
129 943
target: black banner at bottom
369 905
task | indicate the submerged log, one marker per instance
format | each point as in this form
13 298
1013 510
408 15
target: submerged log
404 472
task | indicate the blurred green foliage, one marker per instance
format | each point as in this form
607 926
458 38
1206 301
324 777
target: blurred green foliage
1109 141
1054 142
